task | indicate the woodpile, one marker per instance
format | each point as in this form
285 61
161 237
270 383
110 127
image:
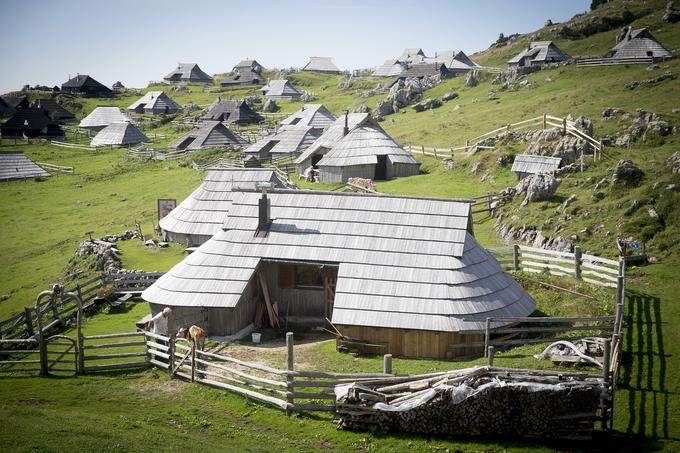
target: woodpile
477 401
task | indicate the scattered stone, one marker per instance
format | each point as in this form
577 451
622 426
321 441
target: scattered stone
671 15
448 163
449 95
505 160
150 243
585 231
623 141
475 167
345 84
668 75
191 107
471 79
4 297
597 196
568 201
627 173
674 162
457 106
270 106
366 184
363 108
611 112
652 259
163 245
427 104
602 183
548 79
307 96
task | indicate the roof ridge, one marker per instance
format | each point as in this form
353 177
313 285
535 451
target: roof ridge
353 194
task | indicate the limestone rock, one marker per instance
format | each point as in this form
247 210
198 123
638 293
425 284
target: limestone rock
471 79
674 163
627 173
449 95
540 187
270 106
427 104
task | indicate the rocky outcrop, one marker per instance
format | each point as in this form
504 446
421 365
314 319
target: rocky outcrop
471 79
645 125
363 183
345 84
674 162
532 236
627 173
307 96
363 108
104 250
668 75
449 95
427 104
270 106
541 187
404 93
670 15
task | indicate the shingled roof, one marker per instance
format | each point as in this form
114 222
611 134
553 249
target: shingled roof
390 68
412 55
314 115
119 134
155 101
408 263
539 52
210 134
56 111
639 43
321 64
32 122
86 85
533 164
455 60
101 117
204 211
15 165
188 72
333 135
286 140
232 111
280 88
244 76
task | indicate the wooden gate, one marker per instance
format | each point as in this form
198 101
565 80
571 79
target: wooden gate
60 354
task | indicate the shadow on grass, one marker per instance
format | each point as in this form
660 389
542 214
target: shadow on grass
643 372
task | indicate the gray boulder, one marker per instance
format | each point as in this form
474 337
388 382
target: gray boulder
471 79
270 106
674 162
307 96
363 108
541 187
449 95
584 125
627 173
671 15
427 104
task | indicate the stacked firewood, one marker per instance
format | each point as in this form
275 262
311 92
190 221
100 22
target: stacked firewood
477 401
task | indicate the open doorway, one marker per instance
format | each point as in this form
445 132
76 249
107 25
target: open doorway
381 168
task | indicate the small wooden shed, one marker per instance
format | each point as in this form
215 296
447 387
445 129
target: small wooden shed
202 214
537 54
211 134
86 86
403 273
30 122
155 103
321 64
122 133
367 152
280 90
638 44
530 164
231 111
189 73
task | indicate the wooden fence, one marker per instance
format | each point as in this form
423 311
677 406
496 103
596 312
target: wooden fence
55 311
580 62
55 169
220 162
545 120
100 353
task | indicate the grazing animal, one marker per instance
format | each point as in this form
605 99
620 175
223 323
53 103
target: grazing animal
194 334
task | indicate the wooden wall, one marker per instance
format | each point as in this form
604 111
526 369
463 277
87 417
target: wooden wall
302 306
414 343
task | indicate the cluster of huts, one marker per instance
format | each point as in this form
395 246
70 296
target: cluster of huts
414 63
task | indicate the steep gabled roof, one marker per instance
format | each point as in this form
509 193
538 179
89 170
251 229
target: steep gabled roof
210 134
419 70
102 116
541 52
29 119
232 111
362 145
534 164
249 64
119 134
334 134
205 210
188 72
155 100
412 55
453 59
321 64
14 101
639 43
280 88
408 263
244 76
15 165
314 115
56 111
84 81
286 140
389 68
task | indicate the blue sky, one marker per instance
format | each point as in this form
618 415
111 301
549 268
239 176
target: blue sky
138 41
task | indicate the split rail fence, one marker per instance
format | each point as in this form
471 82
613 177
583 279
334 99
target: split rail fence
545 120
580 62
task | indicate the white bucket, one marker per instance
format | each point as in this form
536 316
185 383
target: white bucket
256 337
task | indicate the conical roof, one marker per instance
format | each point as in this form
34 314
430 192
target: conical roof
119 134
103 116
211 134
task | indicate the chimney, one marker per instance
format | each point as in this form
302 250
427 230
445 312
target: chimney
345 131
264 218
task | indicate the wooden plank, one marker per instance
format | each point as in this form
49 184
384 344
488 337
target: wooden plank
255 366
314 407
314 383
323 374
314 396
554 319
116 366
119 355
261 380
555 259
600 275
115 345
598 282
548 266
156 353
159 364
162 347
19 351
239 381
258 396
553 329
115 335
545 251
610 270
155 335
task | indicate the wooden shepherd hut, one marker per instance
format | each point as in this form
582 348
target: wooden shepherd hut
280 90
321 64
31 122
456 61
189 73
211 134
366 152
287 140
122 133
390 68
538 53
54 110
312 115
15 165
638 44
403 273
341 127
202 214
85 86
101 117
530 164
155 103
231 111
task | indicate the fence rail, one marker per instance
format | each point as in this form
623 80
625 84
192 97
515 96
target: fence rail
612 61
56 168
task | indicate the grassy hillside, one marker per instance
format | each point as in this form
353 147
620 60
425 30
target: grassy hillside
44 221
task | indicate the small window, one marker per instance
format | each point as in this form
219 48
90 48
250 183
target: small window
308 276
295 121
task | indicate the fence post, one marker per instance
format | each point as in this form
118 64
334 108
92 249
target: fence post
422 148
80 349
515 256
486 335
489 356
290 366
387 364
29 321
606 362
435 152
544 121
42 344
53 303
171 354
193 361
564 127
577 262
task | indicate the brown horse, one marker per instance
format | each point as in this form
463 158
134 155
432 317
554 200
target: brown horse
194 334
